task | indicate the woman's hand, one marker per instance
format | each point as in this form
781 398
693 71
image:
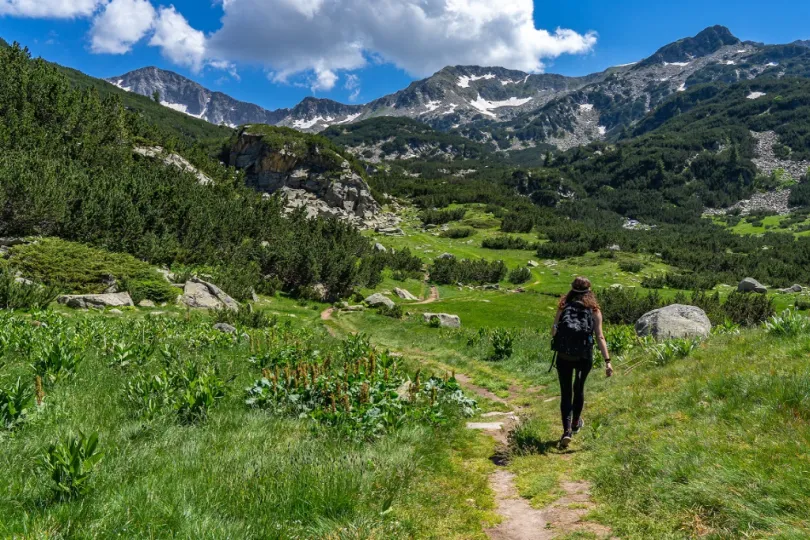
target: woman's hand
608 369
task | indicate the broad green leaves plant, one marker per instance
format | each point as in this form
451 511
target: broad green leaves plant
788 323
70 463
14 403
57 359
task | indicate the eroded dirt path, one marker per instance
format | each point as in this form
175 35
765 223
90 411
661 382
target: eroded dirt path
434 296
326 315
521 521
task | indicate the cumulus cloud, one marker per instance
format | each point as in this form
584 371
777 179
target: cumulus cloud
420 36
120 25
57 9
178 41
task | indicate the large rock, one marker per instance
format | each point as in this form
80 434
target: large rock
445 320
751 285
376 300
675 321
405 295
274 160
96 301
204 295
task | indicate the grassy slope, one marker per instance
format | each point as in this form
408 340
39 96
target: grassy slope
242 474
711 445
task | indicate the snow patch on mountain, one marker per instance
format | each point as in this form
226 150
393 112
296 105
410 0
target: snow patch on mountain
486 106
349 119
306 124
586 107
682 87
677 64
464 80
756 95
602 130
433 105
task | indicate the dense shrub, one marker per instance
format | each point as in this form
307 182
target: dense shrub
441 217
695 282
520 275
458 232
445 271
77 267
504 241
395 312
631 267
514 222
404 261
622 305
157 290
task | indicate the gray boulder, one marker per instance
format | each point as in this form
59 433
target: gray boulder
675 321
751 285
795 289
379 247
96 301
204 295
405 295
532 264
445 320
376 300
146 304
225 328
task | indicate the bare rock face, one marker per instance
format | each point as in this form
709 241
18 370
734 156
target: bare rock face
445 320
96 301
675 321
311 174
204 295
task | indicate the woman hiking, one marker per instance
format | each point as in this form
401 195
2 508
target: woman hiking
578 322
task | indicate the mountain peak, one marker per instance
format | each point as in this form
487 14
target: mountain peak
708 41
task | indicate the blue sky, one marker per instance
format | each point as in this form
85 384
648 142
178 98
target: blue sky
276 52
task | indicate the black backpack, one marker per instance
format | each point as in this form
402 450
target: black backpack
575 328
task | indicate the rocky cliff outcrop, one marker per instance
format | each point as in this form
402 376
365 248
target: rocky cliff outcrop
308 170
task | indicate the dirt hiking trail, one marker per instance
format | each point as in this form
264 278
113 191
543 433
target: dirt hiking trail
521 521
434 297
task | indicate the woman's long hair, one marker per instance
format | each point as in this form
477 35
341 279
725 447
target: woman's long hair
580 292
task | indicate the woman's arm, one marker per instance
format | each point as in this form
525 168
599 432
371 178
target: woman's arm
601 342
556 322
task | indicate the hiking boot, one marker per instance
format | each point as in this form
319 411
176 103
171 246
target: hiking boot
566 439
578 425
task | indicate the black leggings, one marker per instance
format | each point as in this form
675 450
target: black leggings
572 373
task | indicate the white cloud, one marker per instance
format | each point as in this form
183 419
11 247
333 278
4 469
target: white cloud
122 24
420 36
178 41
57 9
325 79
353 85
